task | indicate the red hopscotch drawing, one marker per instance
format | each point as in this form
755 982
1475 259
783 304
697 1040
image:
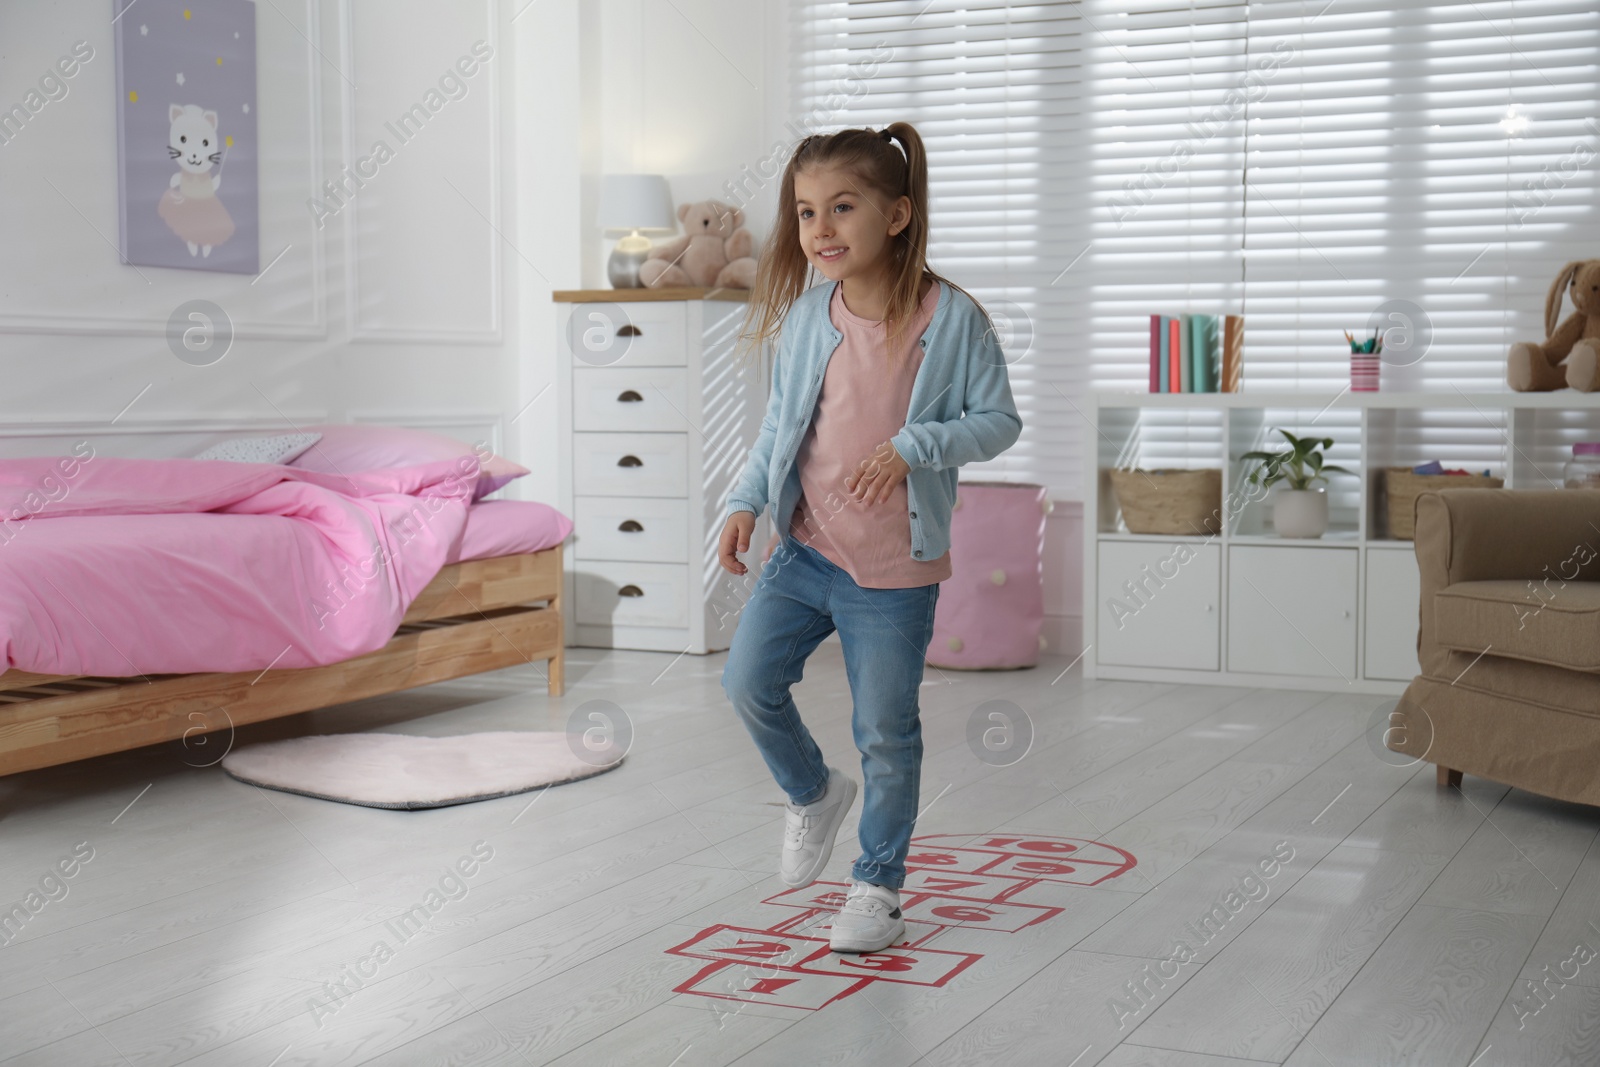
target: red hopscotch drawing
951 880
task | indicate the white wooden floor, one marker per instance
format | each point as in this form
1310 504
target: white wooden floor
1408 926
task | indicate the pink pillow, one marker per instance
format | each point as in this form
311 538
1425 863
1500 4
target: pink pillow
345 447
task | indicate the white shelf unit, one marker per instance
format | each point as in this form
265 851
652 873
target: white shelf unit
1246 607
656 416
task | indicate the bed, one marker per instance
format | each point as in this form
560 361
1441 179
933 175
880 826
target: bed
144 601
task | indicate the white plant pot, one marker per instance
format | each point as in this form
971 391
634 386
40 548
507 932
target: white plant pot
1300 512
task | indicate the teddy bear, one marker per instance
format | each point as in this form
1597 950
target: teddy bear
1537 368
715 251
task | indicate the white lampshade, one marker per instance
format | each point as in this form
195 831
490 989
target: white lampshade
640 202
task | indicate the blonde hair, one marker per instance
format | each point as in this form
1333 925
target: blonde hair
878 167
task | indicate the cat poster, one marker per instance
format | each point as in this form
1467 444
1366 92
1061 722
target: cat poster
186 134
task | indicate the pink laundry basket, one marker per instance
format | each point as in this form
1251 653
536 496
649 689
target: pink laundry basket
991 607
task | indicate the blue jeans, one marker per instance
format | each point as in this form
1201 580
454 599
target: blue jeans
800 598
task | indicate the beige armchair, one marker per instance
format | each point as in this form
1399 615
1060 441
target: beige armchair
1509 641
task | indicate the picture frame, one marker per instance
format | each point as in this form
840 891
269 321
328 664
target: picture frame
188 185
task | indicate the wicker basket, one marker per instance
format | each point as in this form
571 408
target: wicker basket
1404 487
1170 501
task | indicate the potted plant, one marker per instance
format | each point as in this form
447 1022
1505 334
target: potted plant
1301 509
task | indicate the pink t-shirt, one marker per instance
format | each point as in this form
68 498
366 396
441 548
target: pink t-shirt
863 403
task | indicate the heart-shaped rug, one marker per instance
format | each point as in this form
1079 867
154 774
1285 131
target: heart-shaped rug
379 770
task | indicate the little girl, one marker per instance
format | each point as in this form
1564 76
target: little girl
887 379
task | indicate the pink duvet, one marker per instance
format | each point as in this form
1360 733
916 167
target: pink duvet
124 567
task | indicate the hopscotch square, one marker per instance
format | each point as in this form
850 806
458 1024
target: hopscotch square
1065 872
939 883
1009 843
904 965
973 915
758 985
949 860
759 948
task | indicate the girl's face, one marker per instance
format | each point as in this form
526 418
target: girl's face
844 229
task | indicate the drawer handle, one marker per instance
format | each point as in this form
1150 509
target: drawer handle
629 526
630 461
630 330
630 590
628 396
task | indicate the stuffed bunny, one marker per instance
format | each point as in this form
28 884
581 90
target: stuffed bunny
1537 368
715 251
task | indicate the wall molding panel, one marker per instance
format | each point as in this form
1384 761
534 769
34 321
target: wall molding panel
490 329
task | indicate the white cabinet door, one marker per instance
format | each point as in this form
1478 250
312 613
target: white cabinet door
1394 609
1159 604
1292 610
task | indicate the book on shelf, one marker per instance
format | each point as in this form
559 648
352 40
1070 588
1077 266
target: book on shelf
1186 352
1214 352
1232 352
1158 364
1174 376
1202 348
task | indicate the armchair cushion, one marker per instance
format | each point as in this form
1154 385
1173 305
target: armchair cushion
1555 623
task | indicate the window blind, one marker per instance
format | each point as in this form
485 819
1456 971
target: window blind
994 90
1413 154
1316 166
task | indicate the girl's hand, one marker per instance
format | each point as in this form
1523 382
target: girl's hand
735 538
876 476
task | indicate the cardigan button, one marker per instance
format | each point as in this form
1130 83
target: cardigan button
913 514
917 552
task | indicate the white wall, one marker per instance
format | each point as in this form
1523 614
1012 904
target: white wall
684 91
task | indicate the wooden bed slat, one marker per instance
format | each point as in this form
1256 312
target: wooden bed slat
25 679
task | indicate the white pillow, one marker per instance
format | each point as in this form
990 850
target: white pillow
279 449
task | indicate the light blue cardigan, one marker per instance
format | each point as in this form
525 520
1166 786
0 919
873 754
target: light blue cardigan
961 412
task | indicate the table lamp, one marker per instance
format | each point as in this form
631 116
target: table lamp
634 204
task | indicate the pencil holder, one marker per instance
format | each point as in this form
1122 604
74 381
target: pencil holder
1364 372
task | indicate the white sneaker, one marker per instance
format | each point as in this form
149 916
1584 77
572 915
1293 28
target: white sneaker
869 920
809 830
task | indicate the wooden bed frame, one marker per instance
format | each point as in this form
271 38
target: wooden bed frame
475 616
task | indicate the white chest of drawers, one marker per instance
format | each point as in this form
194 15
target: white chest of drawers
658 414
